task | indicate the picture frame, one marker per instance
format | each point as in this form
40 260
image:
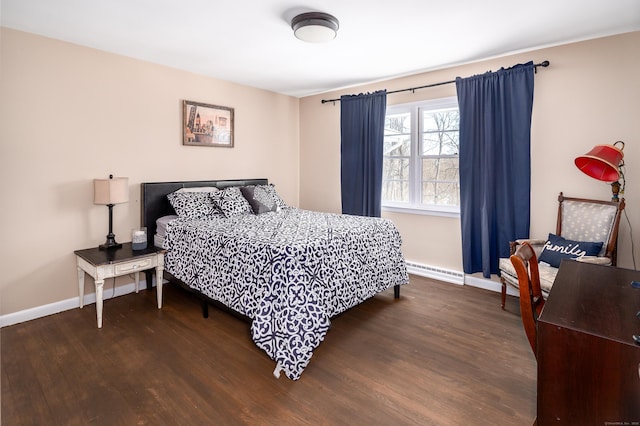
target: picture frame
207 125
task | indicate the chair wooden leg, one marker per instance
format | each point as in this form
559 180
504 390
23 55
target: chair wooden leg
504 293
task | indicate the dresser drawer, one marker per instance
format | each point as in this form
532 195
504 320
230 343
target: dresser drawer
133 266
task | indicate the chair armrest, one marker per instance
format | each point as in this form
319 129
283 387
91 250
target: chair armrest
533 242
536 244
596 260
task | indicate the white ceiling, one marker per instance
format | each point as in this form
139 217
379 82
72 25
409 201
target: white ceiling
251 42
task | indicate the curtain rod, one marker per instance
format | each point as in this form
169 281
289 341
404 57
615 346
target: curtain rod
413 89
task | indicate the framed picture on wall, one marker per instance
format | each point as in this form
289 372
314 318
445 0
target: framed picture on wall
207 125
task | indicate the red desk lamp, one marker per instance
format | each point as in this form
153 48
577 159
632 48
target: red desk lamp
605 163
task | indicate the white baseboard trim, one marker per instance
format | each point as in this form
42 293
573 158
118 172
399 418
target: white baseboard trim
65 305
456 277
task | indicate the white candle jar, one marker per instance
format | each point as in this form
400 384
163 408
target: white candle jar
139 238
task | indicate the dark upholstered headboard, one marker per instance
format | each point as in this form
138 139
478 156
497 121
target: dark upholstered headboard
155 203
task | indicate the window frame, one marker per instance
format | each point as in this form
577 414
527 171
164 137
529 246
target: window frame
415 180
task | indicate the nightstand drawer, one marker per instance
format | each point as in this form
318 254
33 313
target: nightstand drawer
137 265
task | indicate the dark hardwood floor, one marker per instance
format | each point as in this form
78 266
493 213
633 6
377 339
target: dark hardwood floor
440 355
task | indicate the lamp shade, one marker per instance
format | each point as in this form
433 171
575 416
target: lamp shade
111 191
602 162
315 27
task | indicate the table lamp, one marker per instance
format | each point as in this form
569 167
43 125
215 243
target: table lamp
605 163
110 192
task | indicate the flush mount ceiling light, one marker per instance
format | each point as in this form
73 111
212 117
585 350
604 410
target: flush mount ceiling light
315 27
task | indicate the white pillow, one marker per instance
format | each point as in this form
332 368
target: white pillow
199 189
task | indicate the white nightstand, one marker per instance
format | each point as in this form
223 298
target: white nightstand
110 263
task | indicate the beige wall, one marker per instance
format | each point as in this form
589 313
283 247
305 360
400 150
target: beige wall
589 95
69 114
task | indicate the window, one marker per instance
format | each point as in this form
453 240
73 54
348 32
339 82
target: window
420 167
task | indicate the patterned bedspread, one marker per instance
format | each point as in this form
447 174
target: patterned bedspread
289 271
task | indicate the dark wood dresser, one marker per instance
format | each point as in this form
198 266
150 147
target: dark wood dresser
588 362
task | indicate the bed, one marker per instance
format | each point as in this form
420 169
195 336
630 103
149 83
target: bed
287 271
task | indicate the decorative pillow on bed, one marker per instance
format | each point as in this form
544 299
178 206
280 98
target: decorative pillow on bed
260 200
271 190
557 248
231 202
193 205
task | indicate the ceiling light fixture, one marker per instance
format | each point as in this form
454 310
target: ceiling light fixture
315 27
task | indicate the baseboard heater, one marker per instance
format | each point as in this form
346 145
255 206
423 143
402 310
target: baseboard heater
441 274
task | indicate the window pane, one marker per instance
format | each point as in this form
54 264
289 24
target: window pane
430 169
449 169
395 179
434 121
441 193
445 169
451 143
428 193
430 144
395 124
395 190
397 145
395 169
441 143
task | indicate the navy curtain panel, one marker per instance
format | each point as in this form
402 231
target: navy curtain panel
495 164
362 136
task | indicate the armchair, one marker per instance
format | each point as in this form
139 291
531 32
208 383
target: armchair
579 219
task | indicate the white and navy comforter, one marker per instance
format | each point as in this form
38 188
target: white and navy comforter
289 271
